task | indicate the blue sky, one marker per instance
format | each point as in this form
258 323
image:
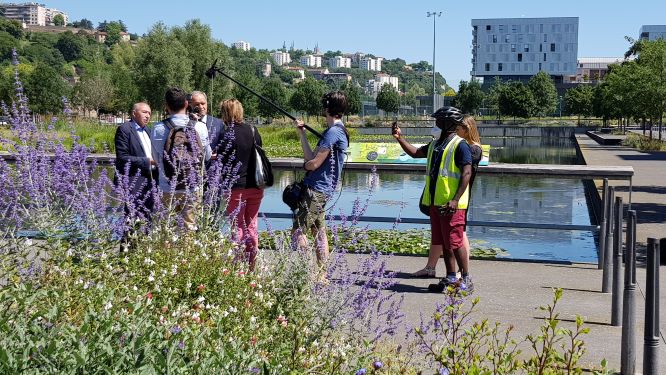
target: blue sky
385 28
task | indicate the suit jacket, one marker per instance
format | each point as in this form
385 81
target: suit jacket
215 128
129 150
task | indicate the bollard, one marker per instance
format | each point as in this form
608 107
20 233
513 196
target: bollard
662 249
651 333
602 225
628 349
606 276
616 301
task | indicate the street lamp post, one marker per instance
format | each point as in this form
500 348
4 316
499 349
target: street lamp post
434 25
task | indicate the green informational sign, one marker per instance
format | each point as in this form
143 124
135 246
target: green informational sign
392 153
381 153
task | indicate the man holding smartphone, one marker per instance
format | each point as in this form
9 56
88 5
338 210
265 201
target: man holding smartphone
446 194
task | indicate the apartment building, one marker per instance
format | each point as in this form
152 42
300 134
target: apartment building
373 86
281 58
518 48
311 61
339 62
372 64
242 45
593 69
32 14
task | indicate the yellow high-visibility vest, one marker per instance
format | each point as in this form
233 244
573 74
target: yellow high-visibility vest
448 177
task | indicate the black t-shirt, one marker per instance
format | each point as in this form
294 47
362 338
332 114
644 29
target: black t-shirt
477 153
242 142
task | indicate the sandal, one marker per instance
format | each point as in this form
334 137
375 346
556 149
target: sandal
425 272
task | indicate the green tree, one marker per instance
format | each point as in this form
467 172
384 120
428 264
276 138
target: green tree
40 53
59 20
273 89
72 47
307 96
161 62
493 97
578 101
250 101
422 66
121 73
388 99
353 93
412 93
516 100
7 44
113 31
46 89
545 95
94 91
84 23
470 96
12 27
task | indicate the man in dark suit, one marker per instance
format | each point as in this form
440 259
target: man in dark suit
215 126
136 169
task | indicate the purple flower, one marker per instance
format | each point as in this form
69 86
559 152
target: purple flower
443 371
176 330
377 365
181 345
362 371
255 370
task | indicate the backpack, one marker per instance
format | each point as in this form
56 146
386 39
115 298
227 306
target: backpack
184 153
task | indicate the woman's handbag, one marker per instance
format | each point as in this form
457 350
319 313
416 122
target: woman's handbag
263 171
292 194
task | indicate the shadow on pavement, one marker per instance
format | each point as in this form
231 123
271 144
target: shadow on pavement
658 156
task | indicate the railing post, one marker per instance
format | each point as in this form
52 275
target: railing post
606 277
628 349
616 304
651 334
602 225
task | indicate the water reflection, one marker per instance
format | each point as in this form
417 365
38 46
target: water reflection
494 198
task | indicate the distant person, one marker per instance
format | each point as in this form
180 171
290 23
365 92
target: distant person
245 196
449 169
214 125
182 146
468 131
135 164
323 167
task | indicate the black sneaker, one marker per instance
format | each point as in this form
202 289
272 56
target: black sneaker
441 285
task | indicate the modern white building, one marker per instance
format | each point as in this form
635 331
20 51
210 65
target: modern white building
28 13
242 45
339 62
51 13
298 70
652 32
369 63
311 61
281 58
518 48
373 86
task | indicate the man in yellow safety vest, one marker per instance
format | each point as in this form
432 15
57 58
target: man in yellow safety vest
445 197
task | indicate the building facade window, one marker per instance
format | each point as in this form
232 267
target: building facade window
488 28
487 67
507 38
520 57
544 56
513 48
499 67
494 38
527 48
545 38
552 47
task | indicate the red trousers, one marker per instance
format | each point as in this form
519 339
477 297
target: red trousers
244 204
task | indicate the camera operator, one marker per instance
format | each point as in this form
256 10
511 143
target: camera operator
446 196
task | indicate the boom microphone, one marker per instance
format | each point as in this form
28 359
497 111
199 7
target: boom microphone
211 72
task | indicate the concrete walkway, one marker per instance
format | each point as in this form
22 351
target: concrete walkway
648 196
511 293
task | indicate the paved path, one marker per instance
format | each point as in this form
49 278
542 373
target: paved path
649 182
511 292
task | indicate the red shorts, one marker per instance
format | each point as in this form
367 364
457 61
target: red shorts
447 230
